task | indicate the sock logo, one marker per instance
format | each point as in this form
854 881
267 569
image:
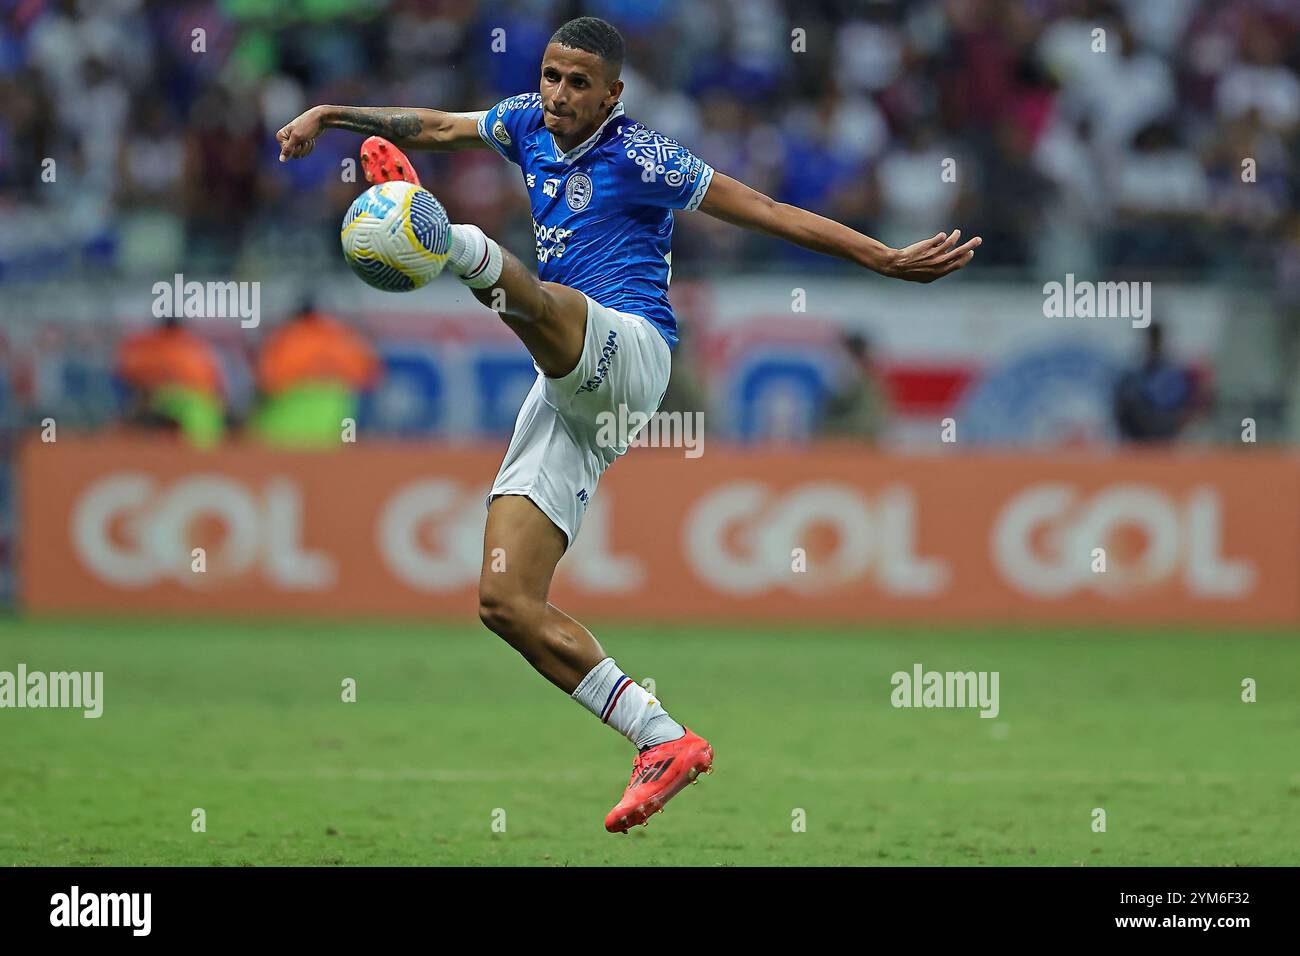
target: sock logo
654 771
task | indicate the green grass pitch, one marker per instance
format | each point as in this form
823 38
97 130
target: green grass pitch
450 728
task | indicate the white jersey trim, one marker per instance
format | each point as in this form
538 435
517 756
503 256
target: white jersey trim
575 154
697 197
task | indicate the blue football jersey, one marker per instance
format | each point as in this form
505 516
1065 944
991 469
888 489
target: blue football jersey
602 212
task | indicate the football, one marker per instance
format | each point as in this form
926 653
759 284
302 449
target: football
396 236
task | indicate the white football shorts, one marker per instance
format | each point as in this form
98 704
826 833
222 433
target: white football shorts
571 429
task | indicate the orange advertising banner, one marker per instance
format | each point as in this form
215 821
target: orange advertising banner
827 532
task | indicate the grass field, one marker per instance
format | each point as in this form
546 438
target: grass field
245 721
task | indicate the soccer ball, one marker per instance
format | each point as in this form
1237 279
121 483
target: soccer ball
396 236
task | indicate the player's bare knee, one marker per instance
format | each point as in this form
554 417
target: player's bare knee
503 610
493 612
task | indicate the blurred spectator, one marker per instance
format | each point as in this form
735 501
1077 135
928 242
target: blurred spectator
310 373
1128 89
1157 398
1261 82
913 193
1160 193
164 149
857 407
686 392
173 383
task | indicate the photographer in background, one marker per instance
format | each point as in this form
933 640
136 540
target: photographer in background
857 407
1157 398
173 383
311 373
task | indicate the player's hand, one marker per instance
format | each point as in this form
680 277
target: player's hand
932 259
298 138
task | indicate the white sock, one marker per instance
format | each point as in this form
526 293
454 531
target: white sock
474 256
626 706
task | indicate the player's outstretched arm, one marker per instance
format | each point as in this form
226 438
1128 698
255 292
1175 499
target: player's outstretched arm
407 127
734 202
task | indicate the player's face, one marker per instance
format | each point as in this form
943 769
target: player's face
576 93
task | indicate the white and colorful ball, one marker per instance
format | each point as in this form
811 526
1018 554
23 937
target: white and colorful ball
396 236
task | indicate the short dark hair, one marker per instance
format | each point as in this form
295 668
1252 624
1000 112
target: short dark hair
595 36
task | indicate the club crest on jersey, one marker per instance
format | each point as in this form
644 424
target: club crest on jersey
499 133
578 191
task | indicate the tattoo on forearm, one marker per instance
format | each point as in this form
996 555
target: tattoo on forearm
396 125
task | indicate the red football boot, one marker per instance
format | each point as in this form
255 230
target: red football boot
658 775
382 162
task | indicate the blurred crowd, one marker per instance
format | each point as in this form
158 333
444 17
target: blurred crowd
1145 139
1083 134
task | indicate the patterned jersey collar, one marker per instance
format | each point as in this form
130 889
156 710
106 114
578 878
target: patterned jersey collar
575 154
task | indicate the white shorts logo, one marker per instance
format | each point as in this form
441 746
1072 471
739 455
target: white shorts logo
578 191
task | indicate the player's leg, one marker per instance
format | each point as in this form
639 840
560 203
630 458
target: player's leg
549 474
521 547
550 319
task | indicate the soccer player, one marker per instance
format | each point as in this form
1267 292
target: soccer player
601 331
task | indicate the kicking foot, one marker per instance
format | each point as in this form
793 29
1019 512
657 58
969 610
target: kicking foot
658 775
382 162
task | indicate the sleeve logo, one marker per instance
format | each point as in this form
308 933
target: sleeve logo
654 151
499 133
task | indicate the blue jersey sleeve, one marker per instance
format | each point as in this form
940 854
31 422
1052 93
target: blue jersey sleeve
505 125
657 171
